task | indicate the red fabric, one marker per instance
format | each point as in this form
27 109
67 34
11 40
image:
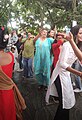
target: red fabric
7 104
56 51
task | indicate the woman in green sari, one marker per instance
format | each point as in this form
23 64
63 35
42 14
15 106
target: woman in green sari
42 59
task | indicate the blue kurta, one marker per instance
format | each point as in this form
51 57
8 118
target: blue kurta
42 60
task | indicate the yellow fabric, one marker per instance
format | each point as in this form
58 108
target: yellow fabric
28 51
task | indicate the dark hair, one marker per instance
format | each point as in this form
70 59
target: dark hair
3 42
19 35
48 35
74 30
44 29
12 48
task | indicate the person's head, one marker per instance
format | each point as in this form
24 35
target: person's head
51 33
3 39
13 49
14 32
77 33
43 32
24 34
29 35
58 36
20 37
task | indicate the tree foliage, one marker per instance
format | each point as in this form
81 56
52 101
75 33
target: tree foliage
31 14
54 12
5 11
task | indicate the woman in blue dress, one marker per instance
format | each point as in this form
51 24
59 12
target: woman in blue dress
42 59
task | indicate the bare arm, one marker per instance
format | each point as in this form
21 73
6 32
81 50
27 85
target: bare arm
56 45
36 37
76 50
74 46
64 57
74 71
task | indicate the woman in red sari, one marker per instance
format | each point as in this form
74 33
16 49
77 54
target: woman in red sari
12 103
7 103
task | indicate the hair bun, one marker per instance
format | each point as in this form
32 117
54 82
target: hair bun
3 41
1 35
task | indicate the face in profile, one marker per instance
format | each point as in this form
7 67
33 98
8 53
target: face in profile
79 35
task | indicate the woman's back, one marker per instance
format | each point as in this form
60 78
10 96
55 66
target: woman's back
6 62
7 100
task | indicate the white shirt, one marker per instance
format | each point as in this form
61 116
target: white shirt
66 59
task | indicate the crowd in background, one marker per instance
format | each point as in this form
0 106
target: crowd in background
49 58
23 47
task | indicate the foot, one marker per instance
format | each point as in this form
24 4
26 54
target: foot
77 90
45 88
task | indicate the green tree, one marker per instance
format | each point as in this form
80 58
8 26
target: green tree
5 11
31 14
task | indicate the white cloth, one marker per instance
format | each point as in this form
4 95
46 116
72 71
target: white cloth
67 58
16 67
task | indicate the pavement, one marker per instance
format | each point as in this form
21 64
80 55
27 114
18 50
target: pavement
37 109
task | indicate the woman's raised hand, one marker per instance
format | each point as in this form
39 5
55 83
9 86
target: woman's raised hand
68 37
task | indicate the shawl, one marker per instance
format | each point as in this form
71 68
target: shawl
7 83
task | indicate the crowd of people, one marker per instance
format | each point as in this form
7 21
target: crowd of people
49 57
